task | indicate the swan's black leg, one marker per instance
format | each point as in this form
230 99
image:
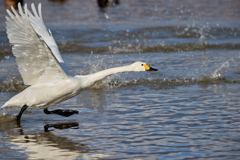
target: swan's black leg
65 113
21 112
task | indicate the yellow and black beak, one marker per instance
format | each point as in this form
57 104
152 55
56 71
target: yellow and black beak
148 68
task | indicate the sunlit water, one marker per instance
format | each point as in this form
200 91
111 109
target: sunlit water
189 109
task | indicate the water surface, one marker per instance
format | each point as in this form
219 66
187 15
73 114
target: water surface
189 109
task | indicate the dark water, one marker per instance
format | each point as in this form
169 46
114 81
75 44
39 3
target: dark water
189 109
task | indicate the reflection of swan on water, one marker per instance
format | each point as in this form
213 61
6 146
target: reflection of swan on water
46 145
61 126
42 67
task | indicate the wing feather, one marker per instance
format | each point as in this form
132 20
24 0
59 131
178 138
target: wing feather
40 28
36 62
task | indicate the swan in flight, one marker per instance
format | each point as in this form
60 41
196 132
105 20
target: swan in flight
42 67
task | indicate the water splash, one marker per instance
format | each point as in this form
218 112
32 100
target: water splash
218 74
221 71
8 114
195 30
12 84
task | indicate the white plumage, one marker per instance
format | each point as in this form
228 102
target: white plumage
41 65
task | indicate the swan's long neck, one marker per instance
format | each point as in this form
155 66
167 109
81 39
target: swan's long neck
92 78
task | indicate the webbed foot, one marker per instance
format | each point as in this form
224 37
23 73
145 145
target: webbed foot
65 113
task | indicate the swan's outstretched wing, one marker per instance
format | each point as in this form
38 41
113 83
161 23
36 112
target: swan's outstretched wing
37 23
35 59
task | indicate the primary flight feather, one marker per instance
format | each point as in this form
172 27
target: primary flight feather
42 67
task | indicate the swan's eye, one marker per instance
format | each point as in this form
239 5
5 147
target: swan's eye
141 64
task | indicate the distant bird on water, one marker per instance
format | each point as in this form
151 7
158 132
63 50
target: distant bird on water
14 3
106 3
42 67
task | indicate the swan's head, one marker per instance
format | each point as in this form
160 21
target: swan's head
141 66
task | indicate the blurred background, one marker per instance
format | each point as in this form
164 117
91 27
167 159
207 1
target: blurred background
189 109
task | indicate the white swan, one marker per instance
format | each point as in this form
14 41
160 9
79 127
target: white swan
42 67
